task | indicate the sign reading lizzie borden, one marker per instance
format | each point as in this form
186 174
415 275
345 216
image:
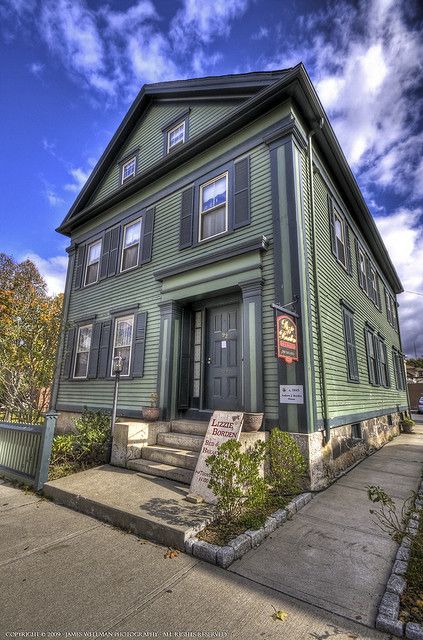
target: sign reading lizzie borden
286 339
223 426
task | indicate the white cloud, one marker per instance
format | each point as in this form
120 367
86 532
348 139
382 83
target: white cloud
402 233
80 177
52 269
263 32
201 21
36 68
53 198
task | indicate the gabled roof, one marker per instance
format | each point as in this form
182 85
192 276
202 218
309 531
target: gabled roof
258 92
236 86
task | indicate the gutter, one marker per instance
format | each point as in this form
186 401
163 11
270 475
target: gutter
321 350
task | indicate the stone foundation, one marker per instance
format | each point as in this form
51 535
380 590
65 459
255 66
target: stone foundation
348 444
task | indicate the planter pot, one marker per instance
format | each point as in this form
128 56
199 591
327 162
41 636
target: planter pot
151 414
252 422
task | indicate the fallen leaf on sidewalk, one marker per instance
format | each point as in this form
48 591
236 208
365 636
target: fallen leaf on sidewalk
279 615
171 553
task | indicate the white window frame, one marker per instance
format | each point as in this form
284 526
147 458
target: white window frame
117 320
124 178
88 263
200 213
140 220
84 326
176 144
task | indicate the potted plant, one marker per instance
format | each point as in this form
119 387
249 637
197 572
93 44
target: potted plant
151 413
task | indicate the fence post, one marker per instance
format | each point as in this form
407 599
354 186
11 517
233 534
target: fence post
45 449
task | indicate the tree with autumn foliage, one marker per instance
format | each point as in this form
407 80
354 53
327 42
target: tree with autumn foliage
29 332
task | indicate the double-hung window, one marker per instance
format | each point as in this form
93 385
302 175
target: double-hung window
93 262
213 207
383 363
131 245
128 169
372 348
83 345
362 269
398 363
176 135
339 227
122 343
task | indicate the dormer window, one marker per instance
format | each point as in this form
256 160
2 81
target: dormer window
176 135
128 169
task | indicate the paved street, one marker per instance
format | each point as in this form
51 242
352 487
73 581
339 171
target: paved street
64 572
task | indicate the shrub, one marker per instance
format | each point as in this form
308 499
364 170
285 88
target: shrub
88 445
286 464
235 480
407 425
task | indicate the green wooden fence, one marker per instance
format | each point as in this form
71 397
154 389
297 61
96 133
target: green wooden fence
25 450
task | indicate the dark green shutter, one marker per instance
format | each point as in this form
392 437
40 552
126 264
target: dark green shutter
139 345
103 357
387 376
332 226
68 355
348 249
187 213
147 236
185 361
114 252
94 350
350 347
79 266
104 262
242 215
369 278
378 301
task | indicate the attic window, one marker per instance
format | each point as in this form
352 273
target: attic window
176 135
128 169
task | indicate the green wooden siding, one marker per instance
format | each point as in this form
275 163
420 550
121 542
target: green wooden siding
335 283
148 136
141 287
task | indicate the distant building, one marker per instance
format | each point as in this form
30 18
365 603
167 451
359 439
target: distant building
221 205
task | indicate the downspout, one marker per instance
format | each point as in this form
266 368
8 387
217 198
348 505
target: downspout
316 282
61 343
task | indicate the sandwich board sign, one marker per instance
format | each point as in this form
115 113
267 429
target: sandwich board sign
223 426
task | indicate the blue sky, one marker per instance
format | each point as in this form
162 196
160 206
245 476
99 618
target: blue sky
70 69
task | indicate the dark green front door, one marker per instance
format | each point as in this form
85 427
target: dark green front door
223 358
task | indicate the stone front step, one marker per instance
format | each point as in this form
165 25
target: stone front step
162 470
180 441
174 457
189 426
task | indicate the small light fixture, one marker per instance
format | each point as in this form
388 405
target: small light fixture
117 365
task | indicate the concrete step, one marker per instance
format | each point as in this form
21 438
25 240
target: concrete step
167 455
180 441
189 426
162 470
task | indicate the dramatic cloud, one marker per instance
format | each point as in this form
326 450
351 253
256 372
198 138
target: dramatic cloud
53 271
80 177
403 236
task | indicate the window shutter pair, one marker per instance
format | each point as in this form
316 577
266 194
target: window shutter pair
99 365
239 207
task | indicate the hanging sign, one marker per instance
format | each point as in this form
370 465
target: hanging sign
223 426
286 338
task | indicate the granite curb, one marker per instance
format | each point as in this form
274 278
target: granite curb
389 608
236 548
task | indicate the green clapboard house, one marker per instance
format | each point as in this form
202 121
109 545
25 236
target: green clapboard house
219 205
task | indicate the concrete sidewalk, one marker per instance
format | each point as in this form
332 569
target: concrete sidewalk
66 573
331 554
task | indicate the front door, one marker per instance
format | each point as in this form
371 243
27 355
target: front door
223 358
